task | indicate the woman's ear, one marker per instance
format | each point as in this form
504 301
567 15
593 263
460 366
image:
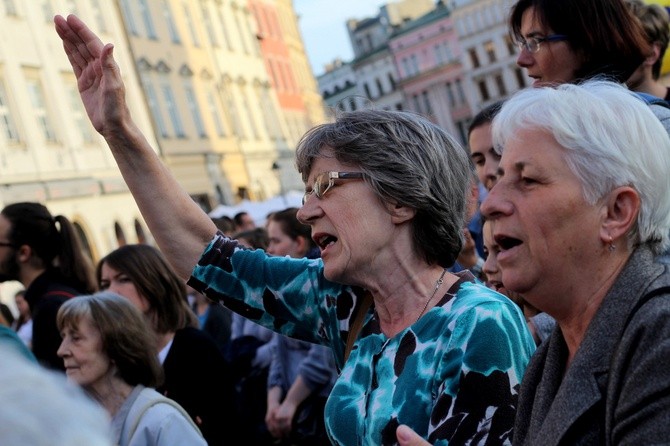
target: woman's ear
622 207
401 214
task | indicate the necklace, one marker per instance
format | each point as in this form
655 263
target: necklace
438 284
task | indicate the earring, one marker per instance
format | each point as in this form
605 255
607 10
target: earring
612 246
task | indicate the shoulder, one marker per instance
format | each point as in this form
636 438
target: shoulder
161 417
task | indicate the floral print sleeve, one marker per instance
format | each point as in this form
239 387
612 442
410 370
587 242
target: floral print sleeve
453 376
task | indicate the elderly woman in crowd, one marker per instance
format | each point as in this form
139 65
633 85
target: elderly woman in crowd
579 214
579 211
107 349
385 198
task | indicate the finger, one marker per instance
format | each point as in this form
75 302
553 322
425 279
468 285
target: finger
88 43
75 48
407 437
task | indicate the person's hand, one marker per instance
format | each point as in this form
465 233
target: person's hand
98 77
407 437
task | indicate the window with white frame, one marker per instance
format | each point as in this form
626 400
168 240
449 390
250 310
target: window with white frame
78 114
10 8
191 27
209 26
216 116
224 28
169 21
9 130
130 18
146 18
47 11
154 107
173 110
194 110
99 16
36 93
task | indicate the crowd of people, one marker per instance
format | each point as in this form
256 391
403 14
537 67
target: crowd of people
511 292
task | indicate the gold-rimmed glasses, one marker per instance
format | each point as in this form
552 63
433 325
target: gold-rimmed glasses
326 180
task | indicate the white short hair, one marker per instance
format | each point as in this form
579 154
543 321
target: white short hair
612 139
41 408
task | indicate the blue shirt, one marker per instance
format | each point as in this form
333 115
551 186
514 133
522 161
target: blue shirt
451 376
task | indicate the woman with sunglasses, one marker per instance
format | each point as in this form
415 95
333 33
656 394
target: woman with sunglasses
385 199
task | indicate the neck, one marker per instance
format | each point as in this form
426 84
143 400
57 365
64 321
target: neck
411 297
652 87
577 313
27 275
111 392
163 339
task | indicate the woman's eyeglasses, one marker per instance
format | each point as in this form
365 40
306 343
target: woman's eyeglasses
326 180
532 44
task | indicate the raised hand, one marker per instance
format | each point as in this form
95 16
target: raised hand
98 76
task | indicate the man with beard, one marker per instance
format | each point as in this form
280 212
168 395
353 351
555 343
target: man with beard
44 253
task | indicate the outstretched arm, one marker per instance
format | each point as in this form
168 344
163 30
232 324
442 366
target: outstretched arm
177 223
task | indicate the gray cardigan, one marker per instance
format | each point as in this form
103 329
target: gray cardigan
617 389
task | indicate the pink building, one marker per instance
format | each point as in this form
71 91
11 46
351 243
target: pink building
427 56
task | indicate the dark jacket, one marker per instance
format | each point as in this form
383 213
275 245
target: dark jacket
617 389
197 377
45 295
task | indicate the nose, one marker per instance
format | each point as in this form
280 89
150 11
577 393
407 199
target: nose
113 288
490 267
525 58
491 174
62 350
309 211
495 205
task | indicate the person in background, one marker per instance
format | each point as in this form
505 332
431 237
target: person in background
301 374
8 337
41 408
243 222
44 253
23 325
540 324
214 319
6 315
470 258
574 40
655 21
108 350
385 197
579 212
196 375
480 142
256 238
487 160
225 224
249 354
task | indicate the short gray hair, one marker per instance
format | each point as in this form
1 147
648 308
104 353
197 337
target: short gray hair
409 161
611 139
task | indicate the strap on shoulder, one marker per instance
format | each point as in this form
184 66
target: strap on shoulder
160 399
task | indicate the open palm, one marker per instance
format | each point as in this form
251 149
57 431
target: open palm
98 77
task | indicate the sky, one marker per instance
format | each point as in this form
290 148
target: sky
323 27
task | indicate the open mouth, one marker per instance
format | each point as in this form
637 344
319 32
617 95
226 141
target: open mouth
323 241
506 243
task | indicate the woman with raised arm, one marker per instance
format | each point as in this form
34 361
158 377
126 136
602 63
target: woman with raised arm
385 199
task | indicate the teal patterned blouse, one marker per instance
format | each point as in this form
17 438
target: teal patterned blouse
453 376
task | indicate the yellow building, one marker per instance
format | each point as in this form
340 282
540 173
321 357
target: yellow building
49 152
